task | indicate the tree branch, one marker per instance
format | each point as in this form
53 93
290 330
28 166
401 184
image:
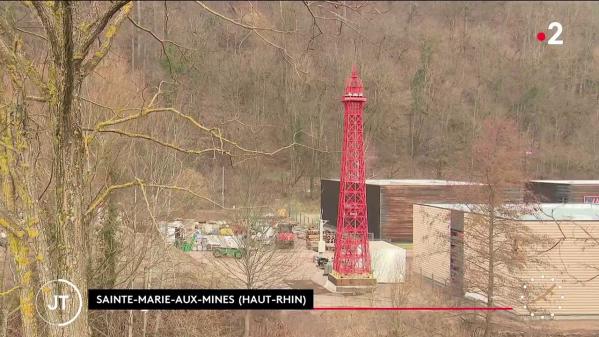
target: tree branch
97 27
138 182
4 293
162 41
288 58
14 62
251 27
162 143
108 37
68 66
102 197
215 132
51 30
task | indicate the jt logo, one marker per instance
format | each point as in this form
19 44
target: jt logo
57 298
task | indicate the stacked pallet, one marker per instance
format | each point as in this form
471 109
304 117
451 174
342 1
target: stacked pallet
312 237
329 239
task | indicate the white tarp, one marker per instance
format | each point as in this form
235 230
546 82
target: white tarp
476 297
212 240
168 229
229 242
388 262
221 241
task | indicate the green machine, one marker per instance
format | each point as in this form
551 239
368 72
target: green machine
228 252
186 245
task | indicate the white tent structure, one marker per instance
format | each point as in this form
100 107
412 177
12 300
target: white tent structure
388 262
168 229
215 241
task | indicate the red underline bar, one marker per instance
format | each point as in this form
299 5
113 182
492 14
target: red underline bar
415 308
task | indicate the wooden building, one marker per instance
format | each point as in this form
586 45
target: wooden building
563 191
563 279
390 202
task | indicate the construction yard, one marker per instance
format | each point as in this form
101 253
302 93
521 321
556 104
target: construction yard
416 291
284 254
306 275
296 262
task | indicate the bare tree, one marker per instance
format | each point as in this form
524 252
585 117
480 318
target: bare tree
495 244
261 264
68 195
69 116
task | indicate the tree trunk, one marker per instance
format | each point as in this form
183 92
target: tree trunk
147 279
70 230
14 193
130 324
21 254
491 276
246 323
158 318
3 322
3 308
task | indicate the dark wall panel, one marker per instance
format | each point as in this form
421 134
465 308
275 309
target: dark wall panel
373 200
560 192
329 201
578 192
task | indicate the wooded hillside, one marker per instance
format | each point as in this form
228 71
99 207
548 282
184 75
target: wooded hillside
115 115
432 72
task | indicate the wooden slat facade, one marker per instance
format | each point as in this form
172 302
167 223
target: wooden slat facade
390 205
397 205
560 192
572 268
431 247
568 271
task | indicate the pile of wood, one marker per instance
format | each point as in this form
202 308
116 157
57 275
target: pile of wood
312 239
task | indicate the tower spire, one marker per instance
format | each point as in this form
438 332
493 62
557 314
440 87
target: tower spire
354 84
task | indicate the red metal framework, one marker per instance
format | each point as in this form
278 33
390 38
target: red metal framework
352 257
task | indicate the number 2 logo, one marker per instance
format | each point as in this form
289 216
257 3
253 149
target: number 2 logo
558 32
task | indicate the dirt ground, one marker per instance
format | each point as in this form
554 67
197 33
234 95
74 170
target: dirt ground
414 292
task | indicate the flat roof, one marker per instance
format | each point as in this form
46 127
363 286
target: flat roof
415 182
540 212
568 182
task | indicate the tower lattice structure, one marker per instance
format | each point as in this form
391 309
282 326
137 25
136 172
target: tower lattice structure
352 257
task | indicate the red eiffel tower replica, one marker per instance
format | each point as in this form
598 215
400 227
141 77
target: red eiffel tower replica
351 266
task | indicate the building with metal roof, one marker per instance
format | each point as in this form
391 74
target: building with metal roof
563 191
536 212
389 202
564 271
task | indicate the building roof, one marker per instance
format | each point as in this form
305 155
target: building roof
414 182
541 212
568 182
